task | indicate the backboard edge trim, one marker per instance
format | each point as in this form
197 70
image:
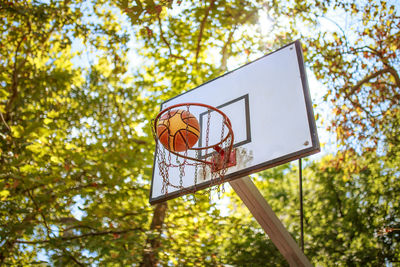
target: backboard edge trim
230 177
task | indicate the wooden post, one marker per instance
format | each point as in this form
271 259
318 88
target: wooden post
271 224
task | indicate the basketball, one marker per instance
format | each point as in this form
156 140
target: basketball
178 130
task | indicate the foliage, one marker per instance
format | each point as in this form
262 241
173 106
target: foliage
75 158
349 201
351 212
359 63
68 138
76 149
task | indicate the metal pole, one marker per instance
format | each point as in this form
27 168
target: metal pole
301 205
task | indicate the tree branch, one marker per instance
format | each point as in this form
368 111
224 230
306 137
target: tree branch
4 121
68 238
165 40
137 141
41 213
72 257
14 84
153 243
224 51
8 246
395 75
202 25
338 200
370 77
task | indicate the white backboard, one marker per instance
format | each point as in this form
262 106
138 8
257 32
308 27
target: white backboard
269 105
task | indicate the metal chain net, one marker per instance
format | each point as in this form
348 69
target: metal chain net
165 161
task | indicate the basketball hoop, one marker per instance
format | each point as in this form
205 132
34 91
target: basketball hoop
177 131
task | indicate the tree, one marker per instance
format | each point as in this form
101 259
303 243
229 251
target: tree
351 212
358 200
69 138
76 148
74 138
358 62
349 196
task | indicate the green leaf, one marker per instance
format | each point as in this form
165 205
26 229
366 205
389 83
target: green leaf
56 159
4 194
27 168
17 131
47 121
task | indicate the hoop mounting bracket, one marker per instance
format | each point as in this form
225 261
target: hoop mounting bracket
219 161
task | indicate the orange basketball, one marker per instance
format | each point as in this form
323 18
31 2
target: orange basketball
178 130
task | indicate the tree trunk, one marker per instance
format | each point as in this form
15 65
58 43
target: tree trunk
153 242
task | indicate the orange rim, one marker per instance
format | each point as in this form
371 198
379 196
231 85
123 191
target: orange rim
227 123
